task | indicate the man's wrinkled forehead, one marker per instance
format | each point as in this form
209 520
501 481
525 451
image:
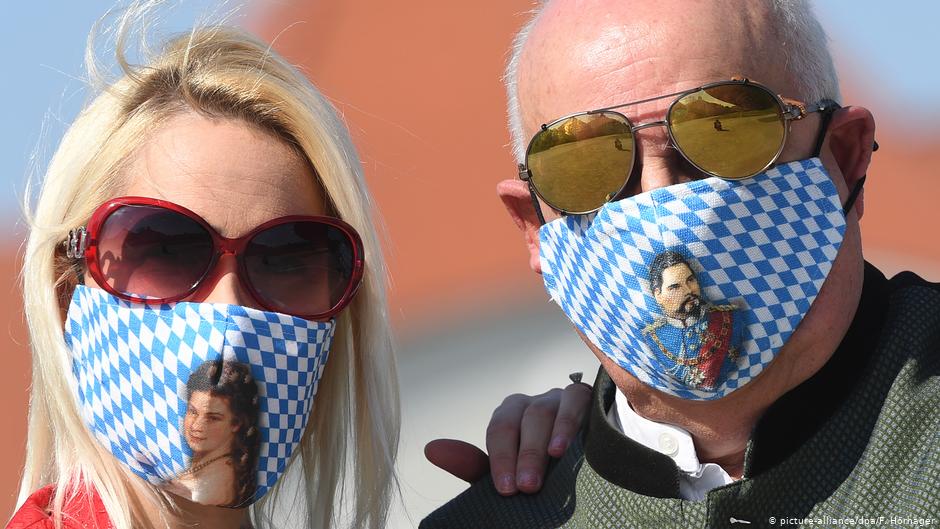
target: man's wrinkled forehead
591 53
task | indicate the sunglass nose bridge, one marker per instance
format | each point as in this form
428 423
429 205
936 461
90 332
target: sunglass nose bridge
660 123
228 246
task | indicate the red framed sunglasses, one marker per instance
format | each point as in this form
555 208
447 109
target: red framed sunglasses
153 251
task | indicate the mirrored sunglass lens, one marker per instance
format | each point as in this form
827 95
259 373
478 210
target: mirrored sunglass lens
301 268
152 252
731 131
582 162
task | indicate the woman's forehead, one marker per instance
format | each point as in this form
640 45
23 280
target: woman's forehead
234 175
207 401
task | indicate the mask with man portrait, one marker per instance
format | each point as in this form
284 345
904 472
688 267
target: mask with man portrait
694 288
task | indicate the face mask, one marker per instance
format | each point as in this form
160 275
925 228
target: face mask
206 400
695 287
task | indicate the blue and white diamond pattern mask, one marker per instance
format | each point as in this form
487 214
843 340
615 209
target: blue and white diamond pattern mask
695 287
207 400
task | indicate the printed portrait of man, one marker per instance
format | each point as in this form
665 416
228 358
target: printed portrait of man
698 340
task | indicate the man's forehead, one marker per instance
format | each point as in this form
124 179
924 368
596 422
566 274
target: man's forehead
678 271
593 53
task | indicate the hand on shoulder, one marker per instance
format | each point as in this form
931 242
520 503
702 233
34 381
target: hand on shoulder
524 431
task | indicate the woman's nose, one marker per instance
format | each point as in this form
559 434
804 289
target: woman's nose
224 286
197 425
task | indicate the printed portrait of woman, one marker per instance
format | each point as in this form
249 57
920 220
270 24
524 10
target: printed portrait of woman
220 429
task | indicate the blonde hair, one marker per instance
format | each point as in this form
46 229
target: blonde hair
351 441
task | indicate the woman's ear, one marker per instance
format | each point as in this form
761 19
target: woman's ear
517 198
851 140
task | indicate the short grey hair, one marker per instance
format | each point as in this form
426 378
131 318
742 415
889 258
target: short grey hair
803 40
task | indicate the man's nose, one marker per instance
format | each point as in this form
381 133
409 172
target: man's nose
658 163
223 285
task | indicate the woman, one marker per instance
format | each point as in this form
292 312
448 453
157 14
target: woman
221 431
208 207
183 218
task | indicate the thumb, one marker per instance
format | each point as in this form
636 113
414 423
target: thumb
459 458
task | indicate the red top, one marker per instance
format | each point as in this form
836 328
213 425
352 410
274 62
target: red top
83 511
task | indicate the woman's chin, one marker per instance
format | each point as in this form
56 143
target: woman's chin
198 447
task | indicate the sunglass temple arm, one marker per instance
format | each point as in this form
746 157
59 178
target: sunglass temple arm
76 243
526 177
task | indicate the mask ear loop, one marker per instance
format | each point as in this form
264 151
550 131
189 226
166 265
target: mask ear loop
853 195
831 107
858 187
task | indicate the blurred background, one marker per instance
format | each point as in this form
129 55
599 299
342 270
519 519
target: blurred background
418 83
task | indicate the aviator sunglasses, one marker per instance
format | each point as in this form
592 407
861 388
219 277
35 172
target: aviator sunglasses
153 251
730 129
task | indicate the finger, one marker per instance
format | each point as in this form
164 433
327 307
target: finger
574 405
502 442
461 459
537 423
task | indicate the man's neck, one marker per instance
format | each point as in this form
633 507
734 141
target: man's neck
720 434
721 428
669 439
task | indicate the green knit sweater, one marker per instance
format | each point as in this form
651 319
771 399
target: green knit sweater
858 444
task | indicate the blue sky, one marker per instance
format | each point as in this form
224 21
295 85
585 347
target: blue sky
45 43
891 47
889 50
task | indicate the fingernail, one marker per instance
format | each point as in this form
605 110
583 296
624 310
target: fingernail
528 479
506 484
558 444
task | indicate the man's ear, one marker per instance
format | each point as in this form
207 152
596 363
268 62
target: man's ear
658 296
515 196
851 136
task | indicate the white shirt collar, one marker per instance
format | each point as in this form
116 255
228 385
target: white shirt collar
696 479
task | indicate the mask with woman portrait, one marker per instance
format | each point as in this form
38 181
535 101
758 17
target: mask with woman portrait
207 400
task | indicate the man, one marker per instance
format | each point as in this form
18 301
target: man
697 341
832 412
